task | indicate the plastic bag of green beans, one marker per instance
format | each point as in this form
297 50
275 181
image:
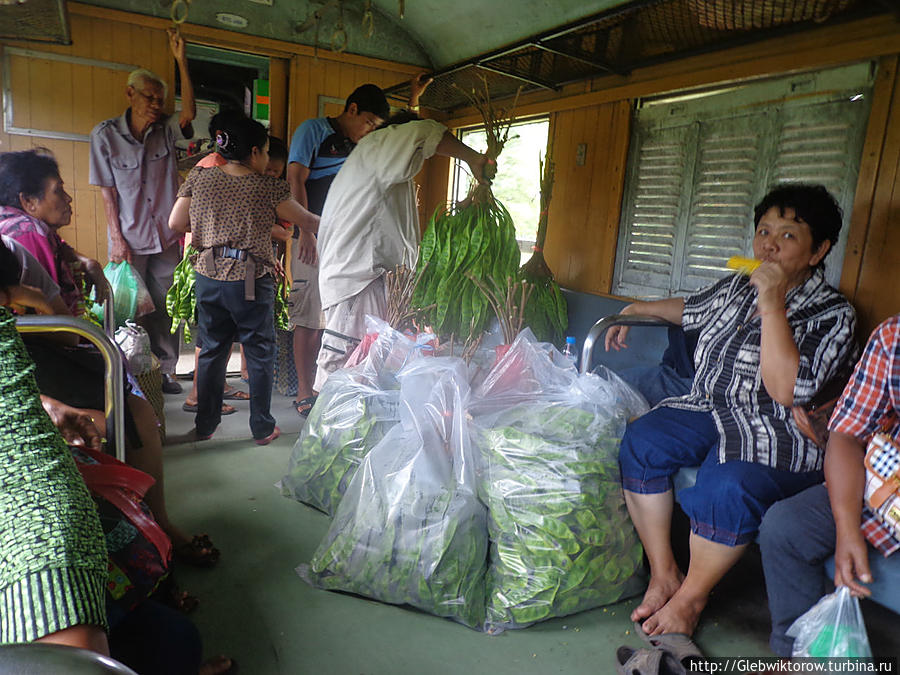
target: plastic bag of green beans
561 538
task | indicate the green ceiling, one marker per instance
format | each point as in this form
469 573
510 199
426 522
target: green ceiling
432 33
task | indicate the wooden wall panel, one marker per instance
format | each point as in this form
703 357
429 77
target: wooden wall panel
584 212
877 294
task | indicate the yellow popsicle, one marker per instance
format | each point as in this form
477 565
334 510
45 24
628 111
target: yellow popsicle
742 265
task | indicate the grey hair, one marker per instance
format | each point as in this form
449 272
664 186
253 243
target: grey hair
144 76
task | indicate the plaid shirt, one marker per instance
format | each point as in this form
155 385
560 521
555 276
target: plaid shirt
728 383
870 403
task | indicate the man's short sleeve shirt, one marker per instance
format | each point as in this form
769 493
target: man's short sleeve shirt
145 175
319 145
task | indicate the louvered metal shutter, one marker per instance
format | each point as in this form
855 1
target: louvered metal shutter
694 177
655 208
726 176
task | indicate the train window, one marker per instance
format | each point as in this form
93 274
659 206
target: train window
699 162
517 185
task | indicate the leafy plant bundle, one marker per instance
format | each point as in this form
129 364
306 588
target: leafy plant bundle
545 312
474 237
181 298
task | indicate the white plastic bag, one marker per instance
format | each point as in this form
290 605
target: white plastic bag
134 342
833 627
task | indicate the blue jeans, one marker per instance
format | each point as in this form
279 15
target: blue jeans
728 501
225 316
796 539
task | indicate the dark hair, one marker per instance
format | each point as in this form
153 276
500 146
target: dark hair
812 204
226 112
402 117
277 149
10 272
235 136
369 98
25 173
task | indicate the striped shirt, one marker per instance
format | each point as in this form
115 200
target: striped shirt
728 382
870 403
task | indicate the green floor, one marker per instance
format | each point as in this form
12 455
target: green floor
256 609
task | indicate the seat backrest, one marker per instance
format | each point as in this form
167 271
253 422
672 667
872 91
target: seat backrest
645 345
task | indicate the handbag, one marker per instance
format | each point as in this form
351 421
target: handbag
140 552
883 481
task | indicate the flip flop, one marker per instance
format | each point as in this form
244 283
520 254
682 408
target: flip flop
631 661
236 395
305 403
193 408
678 645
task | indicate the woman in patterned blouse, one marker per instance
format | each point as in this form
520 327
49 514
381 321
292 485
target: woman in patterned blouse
767 342
229 211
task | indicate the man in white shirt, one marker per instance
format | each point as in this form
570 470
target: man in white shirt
370 224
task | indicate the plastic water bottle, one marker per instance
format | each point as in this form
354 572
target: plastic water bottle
570 352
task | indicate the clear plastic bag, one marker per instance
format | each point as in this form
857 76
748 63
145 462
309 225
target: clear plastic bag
355 409
350 417
561 538
833 627
410 529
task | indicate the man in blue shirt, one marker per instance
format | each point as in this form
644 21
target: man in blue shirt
318 149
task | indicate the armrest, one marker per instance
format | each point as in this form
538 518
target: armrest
112 357
599 328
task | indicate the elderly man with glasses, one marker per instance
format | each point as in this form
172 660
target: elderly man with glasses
133 161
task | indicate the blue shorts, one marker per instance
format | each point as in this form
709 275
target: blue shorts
729 499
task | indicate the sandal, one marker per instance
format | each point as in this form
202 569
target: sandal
306 404
235 395
198 552
679 645
631 661
193 408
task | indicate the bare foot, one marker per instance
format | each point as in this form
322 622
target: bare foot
216 666
679 615
659 590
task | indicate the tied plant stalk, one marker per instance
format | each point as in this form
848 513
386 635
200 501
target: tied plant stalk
545 312
474 239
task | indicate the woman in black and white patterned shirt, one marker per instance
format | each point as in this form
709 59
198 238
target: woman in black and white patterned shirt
767 342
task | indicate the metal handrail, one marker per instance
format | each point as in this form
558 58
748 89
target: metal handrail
112 357
615 320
